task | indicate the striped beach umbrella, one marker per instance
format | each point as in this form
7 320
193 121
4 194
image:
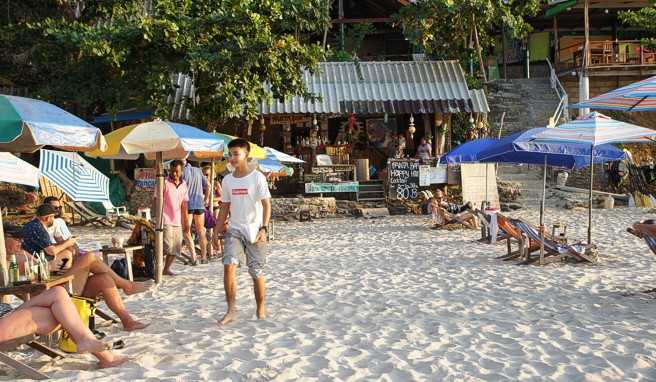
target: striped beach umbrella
75 176
17 171
281 157
639 96
28 124
256 151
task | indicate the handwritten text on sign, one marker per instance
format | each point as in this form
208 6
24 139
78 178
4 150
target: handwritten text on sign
403 179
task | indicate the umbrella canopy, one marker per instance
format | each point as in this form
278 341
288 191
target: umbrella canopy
270 165
173 140
28 124
16 170
257 152
467 152
281 157
594 129
639 96
75 176
516 148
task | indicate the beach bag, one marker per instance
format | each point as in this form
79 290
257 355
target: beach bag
119 267
86 308
210 221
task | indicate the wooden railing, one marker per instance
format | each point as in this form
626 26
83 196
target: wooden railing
561 109
607 53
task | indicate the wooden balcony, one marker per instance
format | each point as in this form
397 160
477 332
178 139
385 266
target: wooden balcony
608 58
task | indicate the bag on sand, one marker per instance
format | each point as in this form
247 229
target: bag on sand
119 267
86 308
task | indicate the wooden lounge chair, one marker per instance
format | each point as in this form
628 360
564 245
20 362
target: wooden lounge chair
22 368
508 227
575 251
88 216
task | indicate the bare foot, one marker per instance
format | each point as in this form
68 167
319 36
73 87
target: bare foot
134 325
111 360
168 273
228 318
261 313
91 345
138 287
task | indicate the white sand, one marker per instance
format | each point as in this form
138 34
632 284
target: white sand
390 299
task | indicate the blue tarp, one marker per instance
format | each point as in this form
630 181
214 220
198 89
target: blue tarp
505 150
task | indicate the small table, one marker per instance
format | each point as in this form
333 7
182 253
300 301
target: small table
125 251
28 290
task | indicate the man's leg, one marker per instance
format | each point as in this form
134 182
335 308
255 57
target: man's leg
172 246
199 223
259 287
230 287
98 284
91 262
167 265
188 238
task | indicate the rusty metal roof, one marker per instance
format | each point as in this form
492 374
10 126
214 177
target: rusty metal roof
381 87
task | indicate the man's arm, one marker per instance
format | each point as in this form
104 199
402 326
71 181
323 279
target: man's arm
223 216
55 249
266 211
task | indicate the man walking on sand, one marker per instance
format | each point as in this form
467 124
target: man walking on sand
175 205
246 197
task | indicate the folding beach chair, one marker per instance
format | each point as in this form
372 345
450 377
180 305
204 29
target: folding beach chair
21 367
523 243
88 216
575 251
486 228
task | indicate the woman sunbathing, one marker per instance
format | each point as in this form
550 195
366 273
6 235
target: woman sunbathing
44 314
447 213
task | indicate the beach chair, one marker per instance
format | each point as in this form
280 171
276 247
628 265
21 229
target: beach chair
88 216
648 236
575 251
524 244
21 367
113 210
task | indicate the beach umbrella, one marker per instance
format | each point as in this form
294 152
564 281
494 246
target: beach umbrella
76 177
468 151
16 170
164 139
638 96
28 124
281 157
593 130
563 155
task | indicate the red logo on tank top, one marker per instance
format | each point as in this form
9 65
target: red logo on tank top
240 191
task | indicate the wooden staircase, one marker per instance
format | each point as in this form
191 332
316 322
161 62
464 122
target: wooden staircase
371 191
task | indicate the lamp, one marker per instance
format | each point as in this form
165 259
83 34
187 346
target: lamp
411 126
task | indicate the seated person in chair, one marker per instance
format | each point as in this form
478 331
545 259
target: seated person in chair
44 314
102 280
444 212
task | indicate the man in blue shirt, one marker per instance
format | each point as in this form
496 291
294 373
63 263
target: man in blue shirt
197 186
36 238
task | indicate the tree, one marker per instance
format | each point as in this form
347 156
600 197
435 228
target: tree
645 19
116 54
448 29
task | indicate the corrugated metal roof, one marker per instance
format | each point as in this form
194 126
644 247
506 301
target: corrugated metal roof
379 87
479 101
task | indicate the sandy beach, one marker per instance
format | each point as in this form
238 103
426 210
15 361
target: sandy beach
389 299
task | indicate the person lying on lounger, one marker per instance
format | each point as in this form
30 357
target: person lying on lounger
444 212
102 281
45 313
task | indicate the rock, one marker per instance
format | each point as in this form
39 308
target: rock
514 206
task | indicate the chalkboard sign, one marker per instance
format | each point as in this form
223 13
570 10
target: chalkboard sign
403 178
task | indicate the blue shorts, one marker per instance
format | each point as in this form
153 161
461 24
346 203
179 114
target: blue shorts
237 248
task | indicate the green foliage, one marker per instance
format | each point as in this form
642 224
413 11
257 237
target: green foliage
117 54
444 28
644 19
353 39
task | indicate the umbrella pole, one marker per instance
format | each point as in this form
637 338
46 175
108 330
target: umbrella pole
3 258
544 196
159 229
487 202
590 195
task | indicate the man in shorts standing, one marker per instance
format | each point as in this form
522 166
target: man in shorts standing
197 186
175 205
246 197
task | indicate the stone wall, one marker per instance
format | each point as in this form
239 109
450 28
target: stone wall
581 178
290 207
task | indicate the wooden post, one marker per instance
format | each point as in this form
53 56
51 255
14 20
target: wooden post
287 138
439 134
584 83
503 49
159 228
556 43
478 51
450 127
3 257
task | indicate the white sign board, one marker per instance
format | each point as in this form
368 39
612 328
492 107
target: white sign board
424 175
479 183
438 174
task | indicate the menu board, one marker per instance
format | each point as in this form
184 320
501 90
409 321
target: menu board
403 178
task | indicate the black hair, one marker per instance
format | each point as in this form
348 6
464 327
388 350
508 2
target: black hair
176 163
50 199
240 142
